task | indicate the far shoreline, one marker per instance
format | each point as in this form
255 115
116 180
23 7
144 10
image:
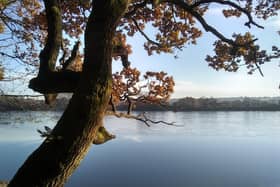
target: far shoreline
187 104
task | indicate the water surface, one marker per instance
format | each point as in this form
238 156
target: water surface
219 149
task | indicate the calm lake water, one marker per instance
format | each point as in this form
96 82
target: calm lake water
219 149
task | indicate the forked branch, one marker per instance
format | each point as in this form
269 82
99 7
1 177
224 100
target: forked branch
141 117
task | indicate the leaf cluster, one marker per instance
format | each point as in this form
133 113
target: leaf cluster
153 87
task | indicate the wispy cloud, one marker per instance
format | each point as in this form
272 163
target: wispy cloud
133 138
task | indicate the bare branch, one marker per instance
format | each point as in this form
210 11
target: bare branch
10 56
18 59
125 115
144 34
259 68
141 117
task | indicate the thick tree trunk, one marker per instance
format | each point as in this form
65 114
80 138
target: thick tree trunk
54 161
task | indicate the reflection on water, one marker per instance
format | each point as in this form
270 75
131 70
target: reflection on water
211 149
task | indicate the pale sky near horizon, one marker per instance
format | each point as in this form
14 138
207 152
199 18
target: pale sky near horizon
191 73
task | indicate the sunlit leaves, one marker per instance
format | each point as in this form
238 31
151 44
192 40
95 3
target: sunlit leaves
125 83
120 44
153 87
246 52
74 15
231 12
160 86
267 8
173 26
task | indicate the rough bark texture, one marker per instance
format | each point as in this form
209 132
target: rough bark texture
54 161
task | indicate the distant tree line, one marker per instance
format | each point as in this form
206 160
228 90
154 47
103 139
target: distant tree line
240 104
12 103
9 103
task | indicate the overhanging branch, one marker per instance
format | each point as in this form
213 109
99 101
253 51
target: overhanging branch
141 117
56 82
203 22
231 4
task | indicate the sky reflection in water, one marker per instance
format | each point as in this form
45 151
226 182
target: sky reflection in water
211 149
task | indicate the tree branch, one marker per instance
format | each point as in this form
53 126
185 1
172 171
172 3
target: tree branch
102 135
135 8
49 54
231 4
56 82
149 39
141 117
205 25
144 34
111 102
73 57
66 80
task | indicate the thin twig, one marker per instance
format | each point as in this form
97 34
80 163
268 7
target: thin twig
141 117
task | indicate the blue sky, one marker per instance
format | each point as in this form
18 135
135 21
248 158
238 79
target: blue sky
191 73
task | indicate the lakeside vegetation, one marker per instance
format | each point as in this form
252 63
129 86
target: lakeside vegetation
8 103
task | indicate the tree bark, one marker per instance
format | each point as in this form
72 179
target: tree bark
56 82
54 161
49 54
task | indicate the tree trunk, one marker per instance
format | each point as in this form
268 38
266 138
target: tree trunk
55 160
